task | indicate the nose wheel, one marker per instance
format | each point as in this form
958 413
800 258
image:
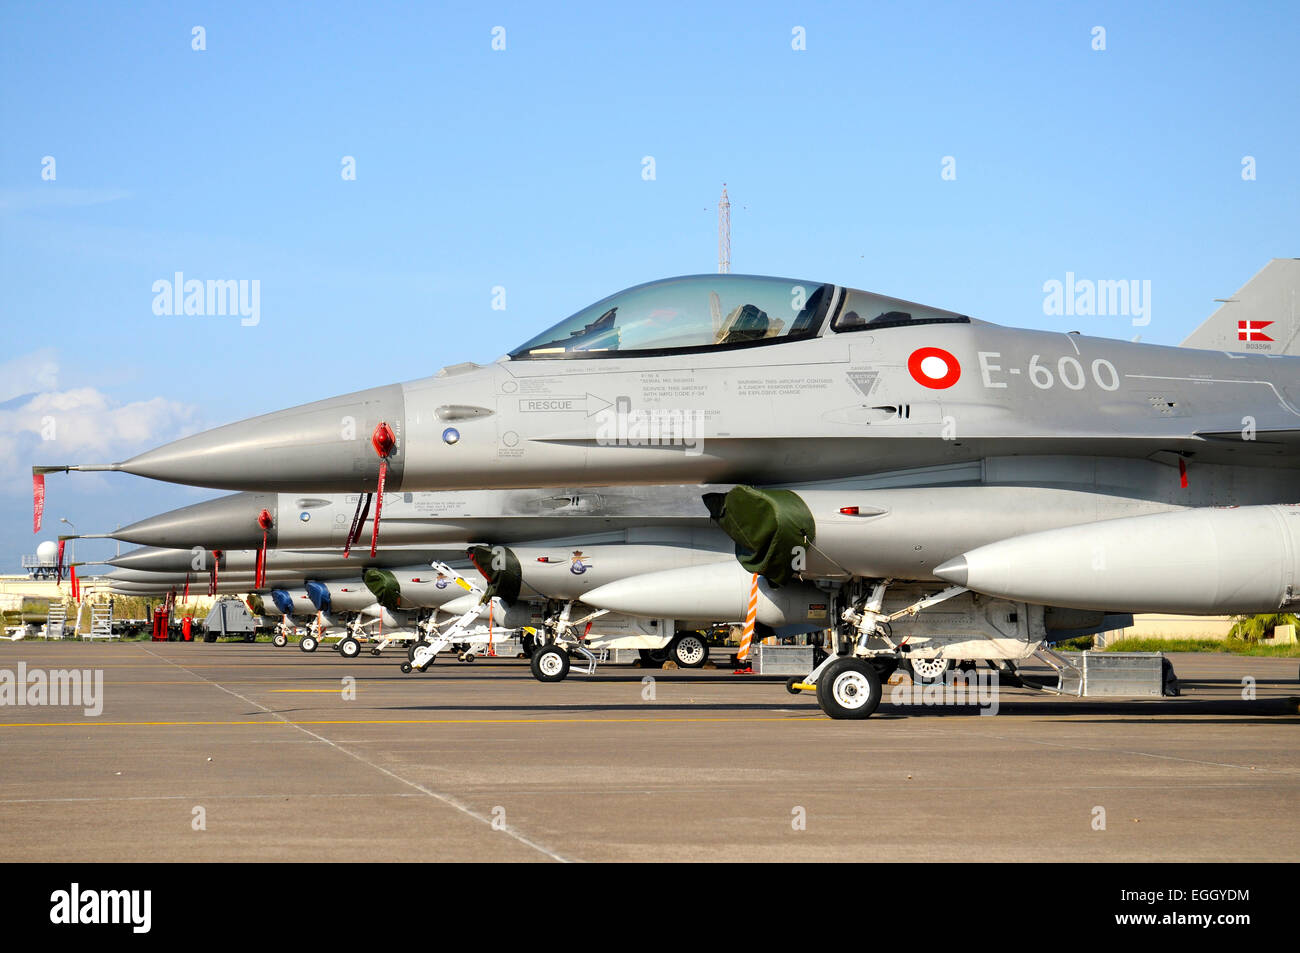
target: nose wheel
308 643
550 664
349 647
849 688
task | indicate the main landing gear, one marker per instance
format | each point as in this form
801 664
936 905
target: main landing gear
686 650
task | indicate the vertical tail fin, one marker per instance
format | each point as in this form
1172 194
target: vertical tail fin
1263 317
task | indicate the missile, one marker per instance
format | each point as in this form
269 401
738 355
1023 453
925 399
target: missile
1200 561
717 592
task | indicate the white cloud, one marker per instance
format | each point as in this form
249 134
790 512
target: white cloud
32 372
81 425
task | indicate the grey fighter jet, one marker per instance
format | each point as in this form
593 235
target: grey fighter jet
737 379
295 521
981 455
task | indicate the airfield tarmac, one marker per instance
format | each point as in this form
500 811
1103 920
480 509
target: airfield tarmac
482 762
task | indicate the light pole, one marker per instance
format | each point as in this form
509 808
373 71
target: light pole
72 543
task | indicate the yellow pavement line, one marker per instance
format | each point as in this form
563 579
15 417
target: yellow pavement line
91 723
253 682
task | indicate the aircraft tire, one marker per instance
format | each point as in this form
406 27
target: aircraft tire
928 670
689 650
550 664
349 648
849 688
308 643
279 640
410 649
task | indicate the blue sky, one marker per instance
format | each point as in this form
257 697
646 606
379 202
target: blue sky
522 168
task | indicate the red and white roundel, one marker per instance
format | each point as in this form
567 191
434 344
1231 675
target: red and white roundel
933 367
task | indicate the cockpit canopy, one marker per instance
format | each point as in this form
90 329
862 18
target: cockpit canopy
696 313
718 312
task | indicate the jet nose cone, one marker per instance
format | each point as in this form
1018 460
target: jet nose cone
322 447
143 578
153 559
228 522
955 570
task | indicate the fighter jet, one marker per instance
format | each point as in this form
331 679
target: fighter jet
293 521
1028 448
743 379
201 559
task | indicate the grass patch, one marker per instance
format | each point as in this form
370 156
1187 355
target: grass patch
1227 646
1081 644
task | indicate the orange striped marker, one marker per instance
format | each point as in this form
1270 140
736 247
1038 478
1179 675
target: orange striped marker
751 618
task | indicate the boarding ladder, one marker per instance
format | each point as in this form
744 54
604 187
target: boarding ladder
55 621
101 621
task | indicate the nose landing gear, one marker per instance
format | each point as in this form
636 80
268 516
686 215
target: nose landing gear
848 686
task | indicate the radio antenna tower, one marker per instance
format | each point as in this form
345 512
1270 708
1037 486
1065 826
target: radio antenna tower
724 232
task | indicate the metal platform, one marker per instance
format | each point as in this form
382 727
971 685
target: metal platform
783 659
1113 674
